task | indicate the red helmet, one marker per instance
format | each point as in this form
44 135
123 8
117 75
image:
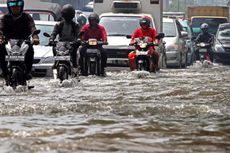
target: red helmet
145 21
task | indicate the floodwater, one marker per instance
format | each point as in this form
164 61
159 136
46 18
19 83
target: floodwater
173 111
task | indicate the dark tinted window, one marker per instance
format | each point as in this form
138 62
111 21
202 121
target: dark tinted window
212 22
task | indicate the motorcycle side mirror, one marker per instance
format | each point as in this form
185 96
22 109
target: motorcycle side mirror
160 35
128 36
46 34
36 32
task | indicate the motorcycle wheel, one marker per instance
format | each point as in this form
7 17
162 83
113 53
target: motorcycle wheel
17 78
92 68
62 73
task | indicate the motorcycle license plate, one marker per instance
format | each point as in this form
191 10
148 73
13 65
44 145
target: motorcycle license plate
15 58
92 59
62 58
140 62
141 53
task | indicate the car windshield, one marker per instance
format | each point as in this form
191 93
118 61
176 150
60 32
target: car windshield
224 33
186 27
44 28
120 25
212 22
3 10
169 29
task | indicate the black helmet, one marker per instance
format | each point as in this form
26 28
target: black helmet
68 12
145 21
13 3
93 17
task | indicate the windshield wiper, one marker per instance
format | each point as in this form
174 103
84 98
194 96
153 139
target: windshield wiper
170 36
117 34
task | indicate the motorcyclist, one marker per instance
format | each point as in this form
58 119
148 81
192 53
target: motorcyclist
93 30
17 24
144 31
67 30
204 37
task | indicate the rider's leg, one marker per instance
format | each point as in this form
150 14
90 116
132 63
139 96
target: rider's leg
154 56
197 55
210 53
29 62
3 63
103 60
132 60
82 51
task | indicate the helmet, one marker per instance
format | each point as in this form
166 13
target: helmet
93 17
145 20
15 3
81 19
68 12
204 26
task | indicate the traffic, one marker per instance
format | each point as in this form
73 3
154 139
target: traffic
113 76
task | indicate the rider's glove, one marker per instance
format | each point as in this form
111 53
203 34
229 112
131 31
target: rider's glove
35 41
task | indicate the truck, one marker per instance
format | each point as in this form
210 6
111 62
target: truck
120 19
212 15
152 7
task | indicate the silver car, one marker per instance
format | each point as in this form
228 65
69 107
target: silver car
43 54
175 38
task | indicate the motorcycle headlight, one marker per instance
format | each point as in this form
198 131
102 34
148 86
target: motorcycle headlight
143 45
92 42
62 52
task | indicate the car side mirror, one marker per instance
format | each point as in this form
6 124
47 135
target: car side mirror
160 36
184 34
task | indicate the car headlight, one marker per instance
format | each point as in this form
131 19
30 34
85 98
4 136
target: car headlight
172 47
219 48
47 60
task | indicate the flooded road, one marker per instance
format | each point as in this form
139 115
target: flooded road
176 110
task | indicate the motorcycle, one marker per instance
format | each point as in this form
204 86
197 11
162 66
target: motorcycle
16 52
143 61
62 59
92 59
203 49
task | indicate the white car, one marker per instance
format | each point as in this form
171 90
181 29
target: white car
120 28
43 54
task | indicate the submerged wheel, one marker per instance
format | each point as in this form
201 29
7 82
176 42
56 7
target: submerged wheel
62 73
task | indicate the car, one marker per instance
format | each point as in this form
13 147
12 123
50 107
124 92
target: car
120 28
43 54
3 9
221 47
176 50
189 41
44 11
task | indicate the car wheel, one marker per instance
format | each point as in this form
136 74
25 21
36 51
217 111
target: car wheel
180 60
